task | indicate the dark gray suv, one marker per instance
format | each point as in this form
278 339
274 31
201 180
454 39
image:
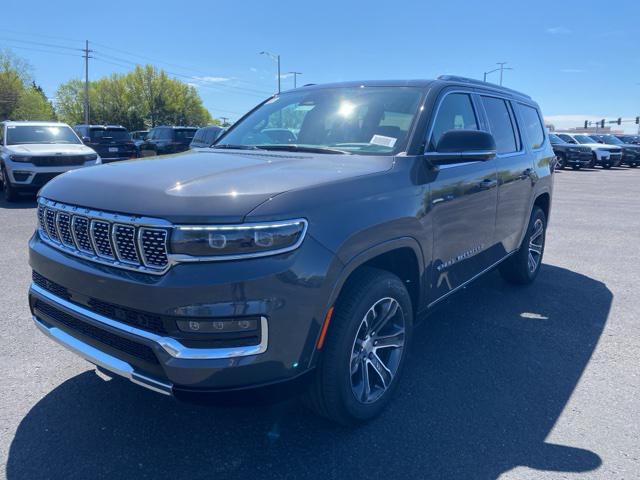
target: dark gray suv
256 265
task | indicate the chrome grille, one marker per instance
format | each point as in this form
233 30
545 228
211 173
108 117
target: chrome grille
133 243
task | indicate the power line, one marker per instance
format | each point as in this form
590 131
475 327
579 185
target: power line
43 51
42 44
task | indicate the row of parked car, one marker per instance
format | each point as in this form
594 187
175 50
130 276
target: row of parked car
579 150
32 153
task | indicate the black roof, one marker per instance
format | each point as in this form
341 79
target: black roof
421 83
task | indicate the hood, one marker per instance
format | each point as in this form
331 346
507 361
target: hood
51 149
203 185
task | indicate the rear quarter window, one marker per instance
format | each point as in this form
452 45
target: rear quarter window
533 126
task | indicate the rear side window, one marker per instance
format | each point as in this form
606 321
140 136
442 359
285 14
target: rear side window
502 124
455 113
533 126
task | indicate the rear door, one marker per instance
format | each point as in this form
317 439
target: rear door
515 168
463 202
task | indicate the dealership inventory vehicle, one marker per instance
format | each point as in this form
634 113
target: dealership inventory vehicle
569 155
630 152
256 265
32 153
205 136
630 139
112 142
606 156
165 140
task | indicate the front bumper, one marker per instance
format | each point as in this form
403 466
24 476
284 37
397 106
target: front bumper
287 292
28 176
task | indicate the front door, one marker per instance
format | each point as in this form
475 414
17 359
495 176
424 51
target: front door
463 202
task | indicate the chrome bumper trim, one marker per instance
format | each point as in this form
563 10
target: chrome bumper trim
101 359
170 345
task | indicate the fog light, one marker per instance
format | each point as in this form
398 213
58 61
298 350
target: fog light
21 176
218 326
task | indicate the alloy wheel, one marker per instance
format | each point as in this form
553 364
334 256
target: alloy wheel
536 244
377 350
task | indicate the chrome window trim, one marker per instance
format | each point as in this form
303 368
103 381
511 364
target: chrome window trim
170 345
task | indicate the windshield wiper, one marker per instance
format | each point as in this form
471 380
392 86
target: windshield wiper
302 148
235 147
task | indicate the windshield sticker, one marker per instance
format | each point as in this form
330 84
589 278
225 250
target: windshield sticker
383 141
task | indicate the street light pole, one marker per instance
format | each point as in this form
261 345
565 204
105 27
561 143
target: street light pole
295 78
275 58
500 69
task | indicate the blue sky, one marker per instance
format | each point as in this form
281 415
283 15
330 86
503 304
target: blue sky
579 60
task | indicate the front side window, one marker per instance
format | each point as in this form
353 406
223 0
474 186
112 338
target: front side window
183 134
455 113
612 140
367 120
555 139
567 138
502 125
35 134
533 126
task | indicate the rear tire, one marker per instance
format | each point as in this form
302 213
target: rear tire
9 192
576 167
523 266
606 166
561 162
359 343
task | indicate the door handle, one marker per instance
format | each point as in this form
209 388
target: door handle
488 184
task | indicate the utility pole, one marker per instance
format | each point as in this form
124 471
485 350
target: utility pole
86 81
295 78
224 121
501 69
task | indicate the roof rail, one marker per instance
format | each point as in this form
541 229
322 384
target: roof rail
473 81
309 84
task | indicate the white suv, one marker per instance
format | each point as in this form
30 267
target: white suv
606 156
32 153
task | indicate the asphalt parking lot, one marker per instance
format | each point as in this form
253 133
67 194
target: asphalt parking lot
502 382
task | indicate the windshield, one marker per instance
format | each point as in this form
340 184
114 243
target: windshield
584 139
611 140
35 134
109 135
372 120
555 139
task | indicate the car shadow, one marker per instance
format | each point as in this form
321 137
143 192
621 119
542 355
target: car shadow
23 202
488 377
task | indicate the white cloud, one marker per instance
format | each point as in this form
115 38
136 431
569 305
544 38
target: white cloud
253 69
212 79
558 30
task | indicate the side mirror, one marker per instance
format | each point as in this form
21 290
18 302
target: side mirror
457 146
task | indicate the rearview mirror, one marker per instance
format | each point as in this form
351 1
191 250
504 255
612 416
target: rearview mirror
457 146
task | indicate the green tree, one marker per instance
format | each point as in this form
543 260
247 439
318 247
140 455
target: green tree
15 73
142 98
33 104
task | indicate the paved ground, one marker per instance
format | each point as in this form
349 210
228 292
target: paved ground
541 382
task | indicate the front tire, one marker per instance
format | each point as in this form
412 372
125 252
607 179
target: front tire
561 162
364 350
9 192
522 267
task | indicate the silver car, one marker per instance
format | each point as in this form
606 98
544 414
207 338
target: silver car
32 153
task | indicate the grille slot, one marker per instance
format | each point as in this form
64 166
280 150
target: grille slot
50 223
101 236
104 237
124 240
153 243
80 230
64 228
58 160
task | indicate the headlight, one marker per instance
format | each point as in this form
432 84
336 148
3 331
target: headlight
226 242
91 157
20 158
